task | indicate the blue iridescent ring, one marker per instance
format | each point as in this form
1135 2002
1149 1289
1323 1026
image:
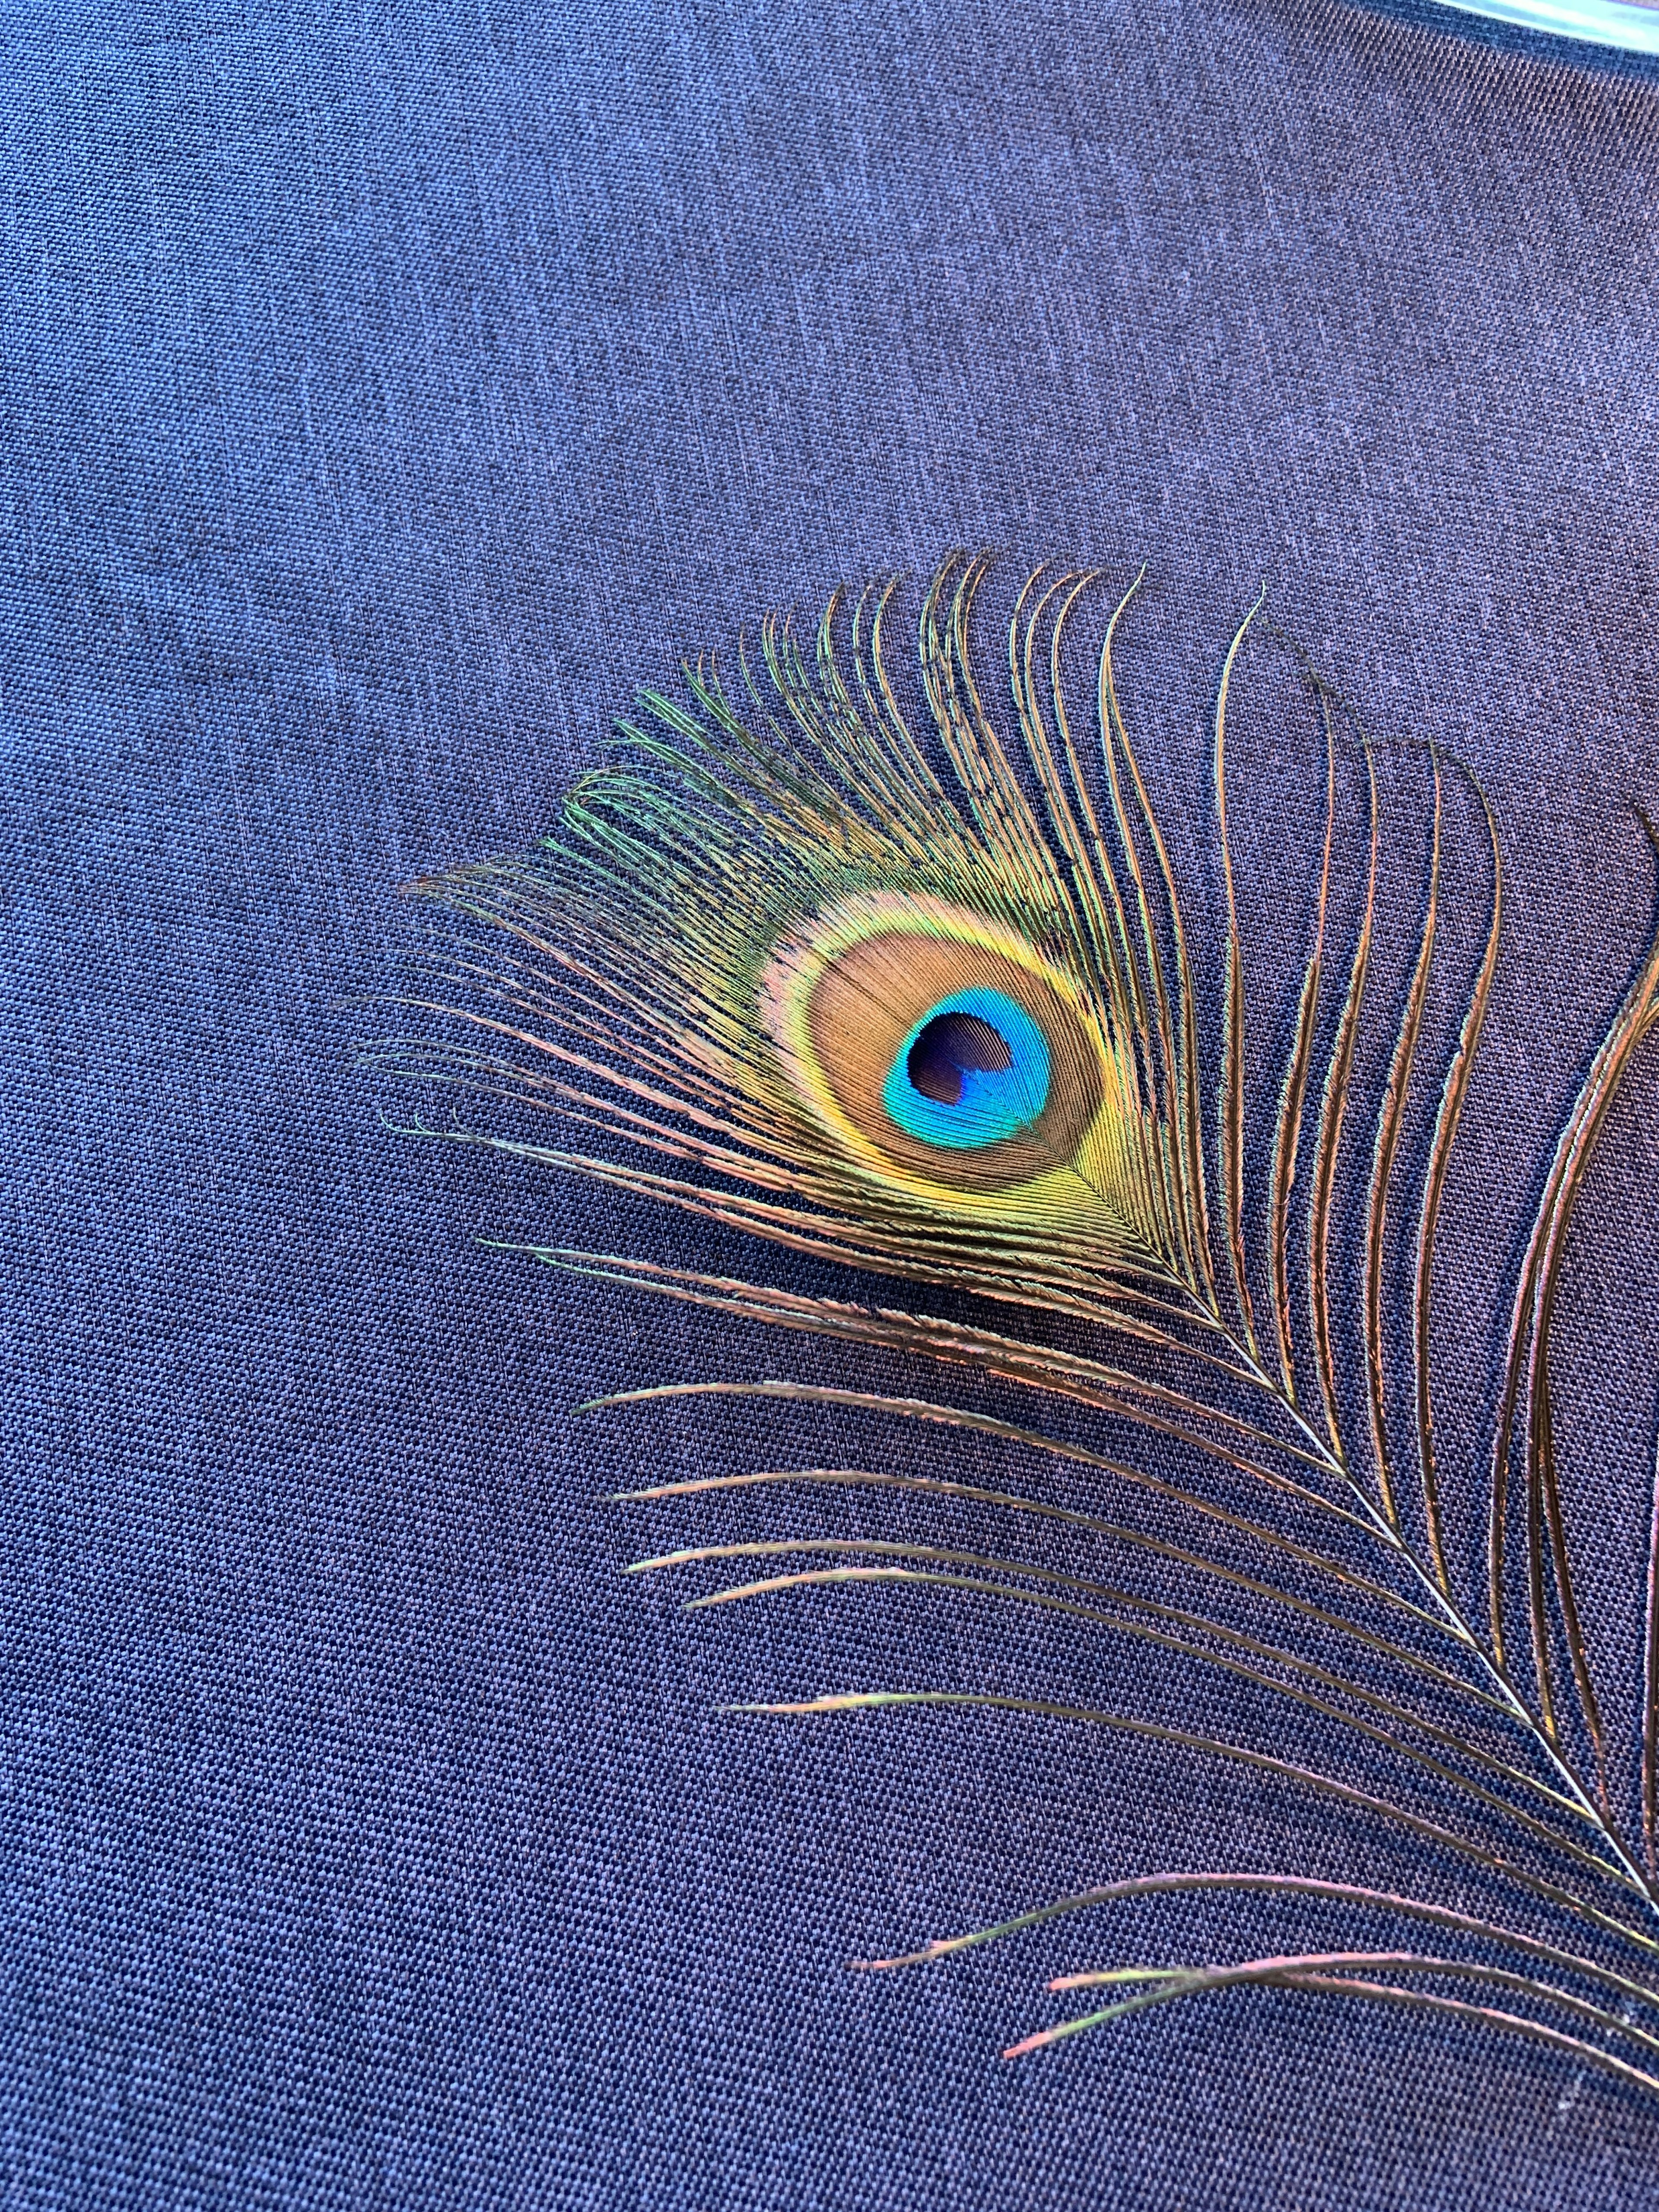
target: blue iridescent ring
972 1071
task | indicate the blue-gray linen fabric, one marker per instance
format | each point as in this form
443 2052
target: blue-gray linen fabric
384 391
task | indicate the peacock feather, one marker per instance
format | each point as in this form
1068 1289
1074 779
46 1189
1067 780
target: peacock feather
930 1007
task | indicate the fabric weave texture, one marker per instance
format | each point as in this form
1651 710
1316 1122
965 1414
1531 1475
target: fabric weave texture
387 390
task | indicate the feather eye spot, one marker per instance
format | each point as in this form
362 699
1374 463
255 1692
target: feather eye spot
942 1052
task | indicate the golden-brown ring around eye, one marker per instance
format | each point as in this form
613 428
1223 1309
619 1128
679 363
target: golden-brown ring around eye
868 999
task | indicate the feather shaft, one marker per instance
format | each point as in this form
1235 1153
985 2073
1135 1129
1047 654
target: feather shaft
1181 1063
844 1576
1132 1539
1279 1885
1034 1439
1389 1124
1294 1092
1528 1353
1320 1784
1338 1077
1447 1122
1230 1122
1323 1974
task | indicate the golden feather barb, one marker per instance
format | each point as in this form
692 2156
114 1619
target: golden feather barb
927 1006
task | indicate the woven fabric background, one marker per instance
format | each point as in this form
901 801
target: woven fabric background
384 391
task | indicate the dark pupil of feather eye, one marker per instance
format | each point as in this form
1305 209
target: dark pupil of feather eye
950 1047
